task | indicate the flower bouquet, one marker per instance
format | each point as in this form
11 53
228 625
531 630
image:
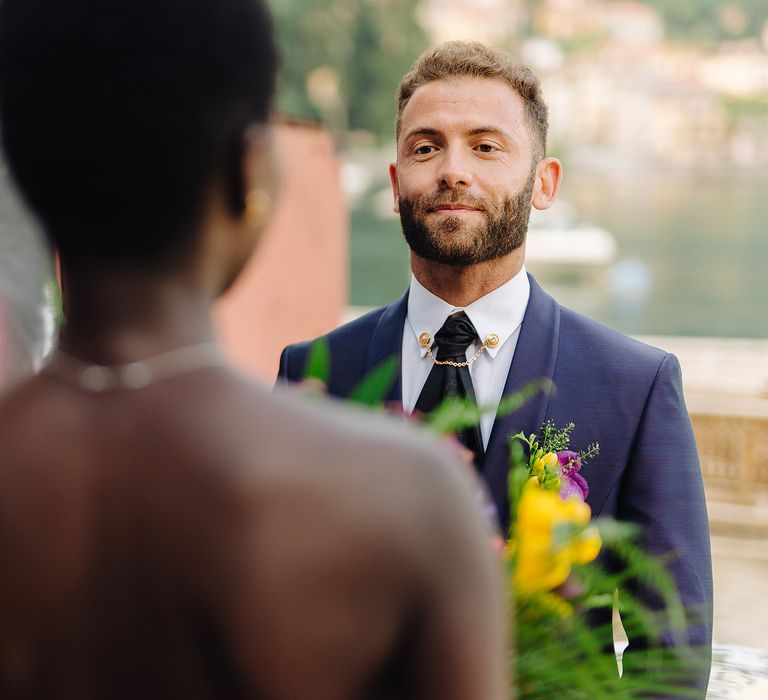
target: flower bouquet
563 571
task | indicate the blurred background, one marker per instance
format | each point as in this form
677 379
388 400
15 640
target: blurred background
659 112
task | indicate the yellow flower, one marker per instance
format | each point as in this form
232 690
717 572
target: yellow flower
548 460
574 510
543 561
586 548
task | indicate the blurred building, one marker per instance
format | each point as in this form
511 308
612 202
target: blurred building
295 285
622 111
737 70
620 95
491 21
626 21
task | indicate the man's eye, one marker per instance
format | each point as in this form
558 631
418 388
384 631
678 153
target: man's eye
424 150
486 148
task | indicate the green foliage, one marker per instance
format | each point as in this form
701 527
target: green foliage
567 658
690 21
513 402
516 479
376 384
554 440
702 20
368 44
455 414
572 655
54 299
318 365
586 44
747 108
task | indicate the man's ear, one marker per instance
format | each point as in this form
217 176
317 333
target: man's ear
549 173
395 187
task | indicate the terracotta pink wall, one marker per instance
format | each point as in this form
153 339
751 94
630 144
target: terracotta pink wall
295 285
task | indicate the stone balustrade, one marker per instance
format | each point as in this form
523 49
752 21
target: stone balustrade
734 454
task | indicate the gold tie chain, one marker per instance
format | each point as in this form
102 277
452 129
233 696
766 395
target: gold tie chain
426 341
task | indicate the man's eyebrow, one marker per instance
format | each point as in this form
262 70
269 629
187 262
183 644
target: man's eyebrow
476 131
479 130
421 131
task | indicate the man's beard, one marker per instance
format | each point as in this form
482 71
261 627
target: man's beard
451 241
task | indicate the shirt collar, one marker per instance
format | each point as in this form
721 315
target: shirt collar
499 312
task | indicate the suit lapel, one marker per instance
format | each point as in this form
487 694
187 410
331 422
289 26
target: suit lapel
387 341
534 359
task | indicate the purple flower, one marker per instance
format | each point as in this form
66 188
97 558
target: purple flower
571 482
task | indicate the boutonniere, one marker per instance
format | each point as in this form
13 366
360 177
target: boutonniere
552 463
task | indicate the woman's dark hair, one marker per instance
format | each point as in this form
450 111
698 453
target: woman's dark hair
117 116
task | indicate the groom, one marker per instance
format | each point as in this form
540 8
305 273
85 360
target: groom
471 161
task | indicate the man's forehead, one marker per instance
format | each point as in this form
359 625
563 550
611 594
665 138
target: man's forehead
471 103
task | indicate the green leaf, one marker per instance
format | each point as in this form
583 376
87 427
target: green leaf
319 361
612 531
454 414
54 300
513 402
376 384
517 478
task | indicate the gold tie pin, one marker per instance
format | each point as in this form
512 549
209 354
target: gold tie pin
425 341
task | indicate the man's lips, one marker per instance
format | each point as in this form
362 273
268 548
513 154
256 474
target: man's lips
452 208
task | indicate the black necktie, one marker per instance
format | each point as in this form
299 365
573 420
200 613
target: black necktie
444 381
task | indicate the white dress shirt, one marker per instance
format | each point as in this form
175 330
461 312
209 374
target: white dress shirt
500 311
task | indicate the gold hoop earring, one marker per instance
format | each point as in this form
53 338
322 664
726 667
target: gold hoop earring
257 204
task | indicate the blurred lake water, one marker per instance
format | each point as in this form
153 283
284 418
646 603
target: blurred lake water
692 253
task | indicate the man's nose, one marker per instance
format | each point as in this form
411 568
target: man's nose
455 170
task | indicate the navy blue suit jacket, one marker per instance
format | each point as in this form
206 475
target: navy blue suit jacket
619 392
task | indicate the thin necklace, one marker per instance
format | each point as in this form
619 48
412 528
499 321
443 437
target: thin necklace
134 375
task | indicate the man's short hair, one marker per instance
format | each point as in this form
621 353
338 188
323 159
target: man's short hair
118 116
455 59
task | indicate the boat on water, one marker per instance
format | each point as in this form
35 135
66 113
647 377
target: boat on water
558 242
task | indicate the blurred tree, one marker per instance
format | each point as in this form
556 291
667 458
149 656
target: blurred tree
343 59
701 21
